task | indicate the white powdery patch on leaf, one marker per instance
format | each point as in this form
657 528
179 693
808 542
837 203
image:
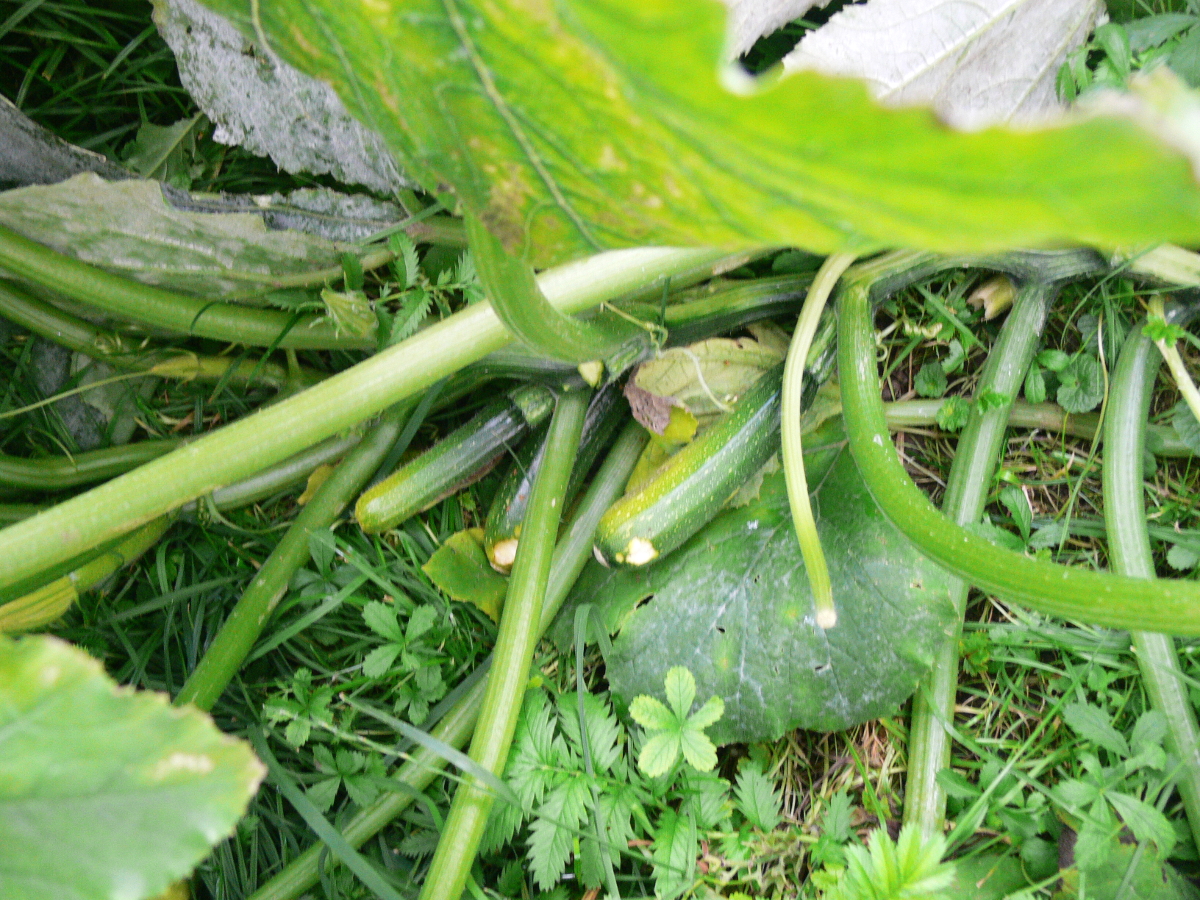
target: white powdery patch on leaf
976 62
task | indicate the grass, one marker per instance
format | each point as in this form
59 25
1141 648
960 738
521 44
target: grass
94 73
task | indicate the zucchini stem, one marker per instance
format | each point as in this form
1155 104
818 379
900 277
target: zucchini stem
1167 605
1170 353
513 654
241 629
793 450
423 765
1129 400
339 402
154 306
967 488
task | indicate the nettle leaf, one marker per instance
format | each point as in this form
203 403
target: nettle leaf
734 606
105 792
590 124
1082 385
979 63
1186 426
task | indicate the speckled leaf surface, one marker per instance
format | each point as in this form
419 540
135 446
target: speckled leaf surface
128 227
734 606
105 794
577 125
265 105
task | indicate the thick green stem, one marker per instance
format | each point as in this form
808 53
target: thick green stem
423 765
341 401
237 635
1104 599
793 450
523 308
966 495
60 473
48 321
1130 393
1161 440
512 656
165 309
47 604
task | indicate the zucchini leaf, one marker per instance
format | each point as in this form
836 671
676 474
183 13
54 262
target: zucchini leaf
105 792
733 605
580 125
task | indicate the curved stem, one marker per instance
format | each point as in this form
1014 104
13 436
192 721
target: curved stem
339 402
165 309
512 655
1112 600
1129 399
241 629
966 495
522 307
59 473
793 450
48 321
1170 354
423 765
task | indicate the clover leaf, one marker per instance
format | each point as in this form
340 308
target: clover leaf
677 729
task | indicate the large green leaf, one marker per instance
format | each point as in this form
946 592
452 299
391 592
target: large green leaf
734 606
105 794
576 125
130 228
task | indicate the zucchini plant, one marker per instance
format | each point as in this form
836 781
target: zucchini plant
818 598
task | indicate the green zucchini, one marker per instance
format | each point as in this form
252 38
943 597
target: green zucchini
502 530
691 487
455 461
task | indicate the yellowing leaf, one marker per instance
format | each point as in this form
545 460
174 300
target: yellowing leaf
460 568
583 125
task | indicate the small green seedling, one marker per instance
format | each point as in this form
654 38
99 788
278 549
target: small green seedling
677 729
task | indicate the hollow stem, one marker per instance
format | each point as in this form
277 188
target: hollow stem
793 450
1130 394
512 656
423 765
60 327
60 473
1104 599
154 306
270 435
241 629
1161 440
967 488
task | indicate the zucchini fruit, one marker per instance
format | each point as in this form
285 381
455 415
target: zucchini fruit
502 530
455 461
691 487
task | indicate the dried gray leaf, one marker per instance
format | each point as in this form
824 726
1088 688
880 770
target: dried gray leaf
265 105
976 62
29 154
127 227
